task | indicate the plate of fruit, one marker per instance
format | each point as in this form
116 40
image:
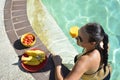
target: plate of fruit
28 39
33 60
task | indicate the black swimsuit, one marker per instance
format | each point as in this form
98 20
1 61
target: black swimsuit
76 57
106 78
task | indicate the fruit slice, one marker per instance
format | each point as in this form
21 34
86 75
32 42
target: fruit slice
34 53
32 63
29 58
74 31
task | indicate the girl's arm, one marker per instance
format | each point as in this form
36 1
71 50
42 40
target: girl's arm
58 73
80 67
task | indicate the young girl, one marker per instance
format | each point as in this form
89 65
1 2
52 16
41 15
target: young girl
93 64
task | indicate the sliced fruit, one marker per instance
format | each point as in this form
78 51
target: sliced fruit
32 63
74 31
34 53
29 58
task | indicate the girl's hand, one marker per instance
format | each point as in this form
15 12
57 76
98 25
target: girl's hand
57 60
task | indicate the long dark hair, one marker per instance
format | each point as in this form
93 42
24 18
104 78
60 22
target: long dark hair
97 34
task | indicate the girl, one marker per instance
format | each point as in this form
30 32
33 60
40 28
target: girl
93 64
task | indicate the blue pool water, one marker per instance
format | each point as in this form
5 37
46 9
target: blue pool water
79 12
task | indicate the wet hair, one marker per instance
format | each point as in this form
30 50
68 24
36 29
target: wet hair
97 34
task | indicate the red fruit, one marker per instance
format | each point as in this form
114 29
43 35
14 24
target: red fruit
25 39
29 36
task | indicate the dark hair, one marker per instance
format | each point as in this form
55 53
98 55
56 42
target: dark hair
97 34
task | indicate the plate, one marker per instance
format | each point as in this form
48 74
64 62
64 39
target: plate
36 68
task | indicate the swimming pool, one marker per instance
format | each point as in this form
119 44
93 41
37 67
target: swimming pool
64 14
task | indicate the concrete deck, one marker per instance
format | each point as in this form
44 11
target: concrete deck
14 23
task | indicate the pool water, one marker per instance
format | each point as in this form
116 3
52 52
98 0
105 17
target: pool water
79 12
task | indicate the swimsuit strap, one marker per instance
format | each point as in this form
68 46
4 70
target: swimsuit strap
94 72
76 57
88 51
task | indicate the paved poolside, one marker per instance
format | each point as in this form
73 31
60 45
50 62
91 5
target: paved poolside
8 57
14 23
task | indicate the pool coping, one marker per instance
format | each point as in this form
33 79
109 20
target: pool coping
16 23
